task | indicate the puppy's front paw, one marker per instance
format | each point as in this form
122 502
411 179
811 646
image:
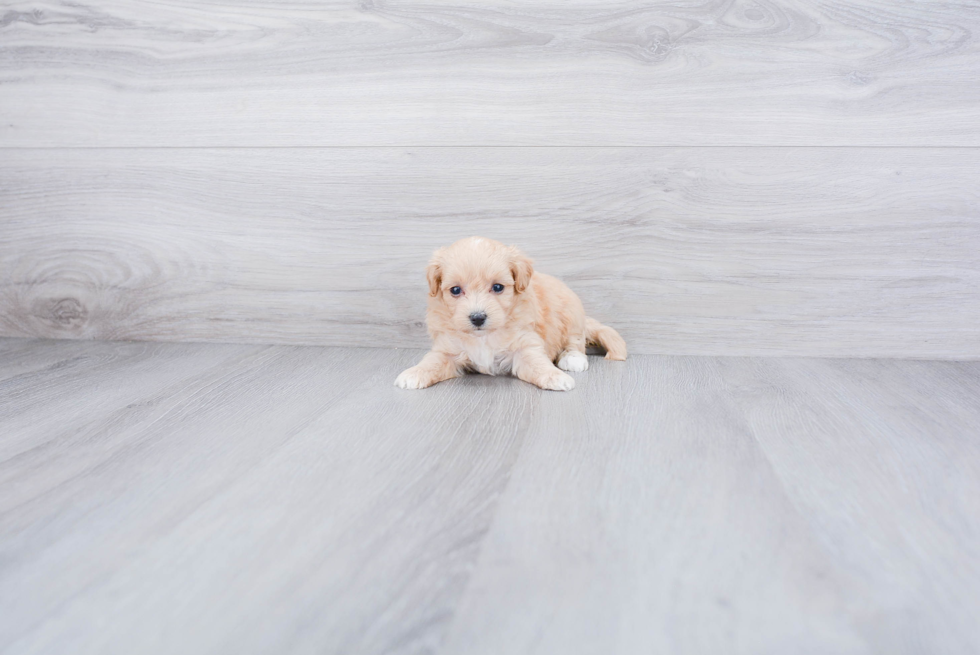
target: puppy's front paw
573 361
557 381
413 378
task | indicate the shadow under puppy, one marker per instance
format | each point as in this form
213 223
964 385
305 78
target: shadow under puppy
491 312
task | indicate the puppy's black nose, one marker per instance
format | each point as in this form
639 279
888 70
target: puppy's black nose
478 318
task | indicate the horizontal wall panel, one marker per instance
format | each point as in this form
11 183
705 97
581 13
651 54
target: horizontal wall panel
272 73
790 251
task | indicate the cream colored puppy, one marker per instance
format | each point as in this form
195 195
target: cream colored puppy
491 312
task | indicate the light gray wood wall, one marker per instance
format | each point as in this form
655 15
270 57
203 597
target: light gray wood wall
825 250
720 178
497 72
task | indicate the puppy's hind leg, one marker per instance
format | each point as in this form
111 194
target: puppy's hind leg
435 367
573 358
532 365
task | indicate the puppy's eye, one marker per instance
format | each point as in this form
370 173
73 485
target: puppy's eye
497 288
455 291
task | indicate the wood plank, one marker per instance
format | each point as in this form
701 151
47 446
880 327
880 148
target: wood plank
702 505
274 73
41 406
883 460
643 517
288 500
805 251
23 356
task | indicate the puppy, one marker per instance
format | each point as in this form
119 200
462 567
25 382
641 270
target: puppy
491 312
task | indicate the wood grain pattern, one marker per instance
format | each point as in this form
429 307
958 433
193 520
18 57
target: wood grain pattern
274 476
801 251
698 505
271 73
808 426
252 499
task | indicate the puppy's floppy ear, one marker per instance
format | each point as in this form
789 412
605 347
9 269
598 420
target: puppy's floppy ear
521 268
433 273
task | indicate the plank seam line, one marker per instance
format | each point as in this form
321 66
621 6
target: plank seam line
499 147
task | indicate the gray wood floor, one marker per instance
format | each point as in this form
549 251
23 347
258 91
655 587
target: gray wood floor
233 498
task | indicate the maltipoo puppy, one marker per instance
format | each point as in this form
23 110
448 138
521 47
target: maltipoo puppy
491 312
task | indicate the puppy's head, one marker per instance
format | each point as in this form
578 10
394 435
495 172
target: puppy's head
477 282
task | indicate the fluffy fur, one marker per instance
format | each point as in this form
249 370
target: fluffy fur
528 326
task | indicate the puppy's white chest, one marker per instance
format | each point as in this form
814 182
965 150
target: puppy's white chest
487 356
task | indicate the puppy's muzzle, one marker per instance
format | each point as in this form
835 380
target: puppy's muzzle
478 318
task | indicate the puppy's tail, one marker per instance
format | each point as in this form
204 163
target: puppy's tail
598 334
